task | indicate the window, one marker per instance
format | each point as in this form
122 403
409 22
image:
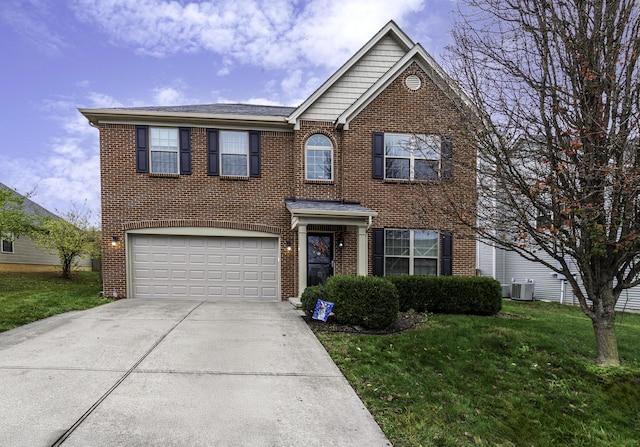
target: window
7 245
164 150
234 153
413 252
319 158
412 157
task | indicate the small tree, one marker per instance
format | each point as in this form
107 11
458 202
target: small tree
13 219
71 236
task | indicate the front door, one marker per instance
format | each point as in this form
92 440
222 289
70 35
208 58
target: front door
319 258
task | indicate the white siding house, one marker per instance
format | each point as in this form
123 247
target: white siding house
21 254
507 267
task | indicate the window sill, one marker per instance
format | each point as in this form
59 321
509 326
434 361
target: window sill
163 175
409 182
319 182
234 177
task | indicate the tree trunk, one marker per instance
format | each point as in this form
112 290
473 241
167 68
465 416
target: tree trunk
604 326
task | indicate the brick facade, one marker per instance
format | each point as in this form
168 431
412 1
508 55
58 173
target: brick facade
133 200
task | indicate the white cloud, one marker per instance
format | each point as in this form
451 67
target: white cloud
267 34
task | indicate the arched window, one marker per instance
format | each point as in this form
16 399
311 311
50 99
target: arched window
319 158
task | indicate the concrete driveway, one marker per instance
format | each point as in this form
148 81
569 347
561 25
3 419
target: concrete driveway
176 373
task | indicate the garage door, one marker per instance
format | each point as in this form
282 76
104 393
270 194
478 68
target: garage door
204 267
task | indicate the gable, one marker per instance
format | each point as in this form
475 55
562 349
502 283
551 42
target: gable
356 81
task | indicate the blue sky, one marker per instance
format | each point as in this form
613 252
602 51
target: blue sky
61 55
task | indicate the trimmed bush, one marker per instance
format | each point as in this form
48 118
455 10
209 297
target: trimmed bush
367 301
449 294
310 297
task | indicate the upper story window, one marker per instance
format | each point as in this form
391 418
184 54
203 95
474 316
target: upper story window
399 156
413 252
234 153
319 158
411 157
164 150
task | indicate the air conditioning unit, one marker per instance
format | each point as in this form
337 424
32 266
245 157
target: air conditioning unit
522 291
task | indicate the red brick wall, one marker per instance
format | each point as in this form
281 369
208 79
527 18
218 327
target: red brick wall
132 200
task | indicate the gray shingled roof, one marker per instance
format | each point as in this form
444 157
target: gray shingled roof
29 206
220 109
298 206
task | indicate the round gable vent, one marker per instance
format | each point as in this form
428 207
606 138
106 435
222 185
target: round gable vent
412 82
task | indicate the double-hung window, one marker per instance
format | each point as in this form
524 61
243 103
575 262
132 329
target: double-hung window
234 153
164 150
6 245
413 252
319 158
411 157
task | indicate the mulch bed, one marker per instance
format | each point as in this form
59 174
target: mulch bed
405 321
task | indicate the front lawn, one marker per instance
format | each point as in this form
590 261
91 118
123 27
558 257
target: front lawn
27 297
523 378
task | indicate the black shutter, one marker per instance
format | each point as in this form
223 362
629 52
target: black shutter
446 253
378 252
378 155
212 152
185 150
254 154
142 149
447 157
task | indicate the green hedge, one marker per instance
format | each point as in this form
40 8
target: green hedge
366 301
448 294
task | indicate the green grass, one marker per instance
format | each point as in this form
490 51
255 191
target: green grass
27 297
526 378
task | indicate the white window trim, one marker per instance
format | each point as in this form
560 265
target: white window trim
412 157
411 256
221 153
176 151
307 148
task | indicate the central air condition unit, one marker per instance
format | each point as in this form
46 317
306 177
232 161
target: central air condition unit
522 291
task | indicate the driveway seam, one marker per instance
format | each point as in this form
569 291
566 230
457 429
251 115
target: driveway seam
93 407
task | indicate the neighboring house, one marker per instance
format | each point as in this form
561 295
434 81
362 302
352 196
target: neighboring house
259 202
20 253
508 266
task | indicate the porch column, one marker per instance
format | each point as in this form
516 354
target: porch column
302 259
363 250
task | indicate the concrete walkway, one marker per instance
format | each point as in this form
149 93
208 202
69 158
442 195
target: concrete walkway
176 373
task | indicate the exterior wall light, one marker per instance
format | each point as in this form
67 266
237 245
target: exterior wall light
114 241
289 246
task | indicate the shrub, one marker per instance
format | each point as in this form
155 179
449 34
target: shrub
310 297
449 294
366 301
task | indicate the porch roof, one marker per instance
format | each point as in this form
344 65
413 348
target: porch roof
328 212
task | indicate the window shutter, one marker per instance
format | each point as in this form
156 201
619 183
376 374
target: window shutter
142 149
254 154
446 253
185 150
378 155
447 157
212 152
378 252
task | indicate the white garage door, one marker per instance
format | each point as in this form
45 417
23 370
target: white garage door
204 267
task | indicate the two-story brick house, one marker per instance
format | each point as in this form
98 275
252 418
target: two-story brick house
257 202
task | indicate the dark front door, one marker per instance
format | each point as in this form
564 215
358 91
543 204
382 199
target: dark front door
319 258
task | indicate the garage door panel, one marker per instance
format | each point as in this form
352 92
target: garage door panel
204 267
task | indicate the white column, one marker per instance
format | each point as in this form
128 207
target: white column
302 259
363 249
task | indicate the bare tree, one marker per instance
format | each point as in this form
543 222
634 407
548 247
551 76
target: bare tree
556 82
